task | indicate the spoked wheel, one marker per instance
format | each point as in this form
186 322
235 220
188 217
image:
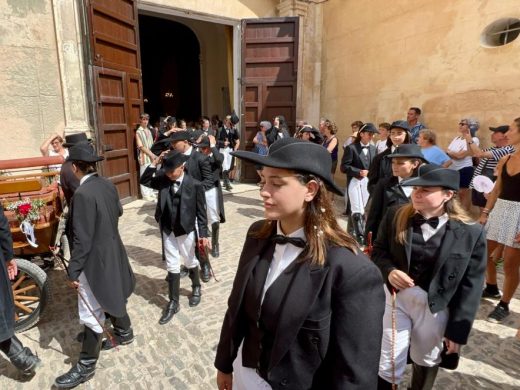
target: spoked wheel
31 292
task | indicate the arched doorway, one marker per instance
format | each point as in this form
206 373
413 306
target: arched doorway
170 53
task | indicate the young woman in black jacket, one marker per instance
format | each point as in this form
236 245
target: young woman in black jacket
381 166
388 191
306 307
433 257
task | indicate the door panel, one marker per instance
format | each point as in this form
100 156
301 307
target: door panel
269 77
116 70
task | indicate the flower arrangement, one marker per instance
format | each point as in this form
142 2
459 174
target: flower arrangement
26 209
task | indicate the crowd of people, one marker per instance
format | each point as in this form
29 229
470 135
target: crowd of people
308 309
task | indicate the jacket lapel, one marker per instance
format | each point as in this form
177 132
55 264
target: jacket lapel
303 292
454 230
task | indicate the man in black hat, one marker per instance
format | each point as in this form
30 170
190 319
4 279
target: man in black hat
197 166
228 141
181 205
214 196
99 268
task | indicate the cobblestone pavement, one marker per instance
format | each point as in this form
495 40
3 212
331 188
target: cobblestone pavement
180 354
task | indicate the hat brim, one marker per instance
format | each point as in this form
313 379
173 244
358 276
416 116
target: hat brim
421 182
410 156
87 159
273 162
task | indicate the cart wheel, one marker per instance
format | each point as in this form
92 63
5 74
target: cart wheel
31 292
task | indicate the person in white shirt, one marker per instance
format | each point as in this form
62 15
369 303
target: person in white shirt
306 306
460 154
384 133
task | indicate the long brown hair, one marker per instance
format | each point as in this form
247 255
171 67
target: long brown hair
320 225
402 217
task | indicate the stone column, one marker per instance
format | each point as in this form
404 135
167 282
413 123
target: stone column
67 24
309 56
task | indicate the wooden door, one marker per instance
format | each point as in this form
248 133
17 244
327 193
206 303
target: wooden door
116 73
269 77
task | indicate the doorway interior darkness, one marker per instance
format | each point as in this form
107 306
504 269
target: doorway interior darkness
171 69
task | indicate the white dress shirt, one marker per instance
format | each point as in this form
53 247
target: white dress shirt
283 256
406 189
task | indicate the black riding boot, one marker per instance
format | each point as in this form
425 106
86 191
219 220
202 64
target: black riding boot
21 357
383 385
194 300
215 227
359 228
174 281
423 378
227 184
123 333
85 368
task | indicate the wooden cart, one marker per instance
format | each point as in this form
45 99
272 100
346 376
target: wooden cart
31 178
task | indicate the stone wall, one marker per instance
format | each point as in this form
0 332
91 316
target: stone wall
380 57
233 9
30 90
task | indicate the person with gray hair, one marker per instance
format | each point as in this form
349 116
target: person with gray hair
459 150
261 143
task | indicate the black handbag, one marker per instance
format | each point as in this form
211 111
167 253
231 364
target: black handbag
449 361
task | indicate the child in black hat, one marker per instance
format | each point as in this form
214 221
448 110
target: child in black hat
356 164
432 257
306 305
389 191
181 204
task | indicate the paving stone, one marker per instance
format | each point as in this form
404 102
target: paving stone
180 355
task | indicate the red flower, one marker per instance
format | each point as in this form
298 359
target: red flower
24 209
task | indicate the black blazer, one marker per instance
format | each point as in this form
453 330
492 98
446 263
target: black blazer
6 292
386 194
232 137
273 135
193 200
199 168
352 162
97 248
458 275
381 167
330 328
215 160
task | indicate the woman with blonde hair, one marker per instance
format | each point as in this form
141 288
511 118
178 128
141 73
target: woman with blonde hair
432 257
306 307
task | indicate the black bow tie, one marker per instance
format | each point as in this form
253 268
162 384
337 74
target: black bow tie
282 240
176 182
364 147
419 220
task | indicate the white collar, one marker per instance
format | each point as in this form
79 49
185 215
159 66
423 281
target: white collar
188 152
86 177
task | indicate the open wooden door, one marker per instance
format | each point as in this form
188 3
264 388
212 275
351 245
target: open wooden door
269 77
116 72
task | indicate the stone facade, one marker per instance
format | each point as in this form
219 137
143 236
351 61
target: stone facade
380 58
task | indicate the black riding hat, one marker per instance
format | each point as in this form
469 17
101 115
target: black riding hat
173 159
297 155
73 139
407 151
83 152
431 175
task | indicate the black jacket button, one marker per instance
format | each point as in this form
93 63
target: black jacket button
440 290
315 340
284 382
